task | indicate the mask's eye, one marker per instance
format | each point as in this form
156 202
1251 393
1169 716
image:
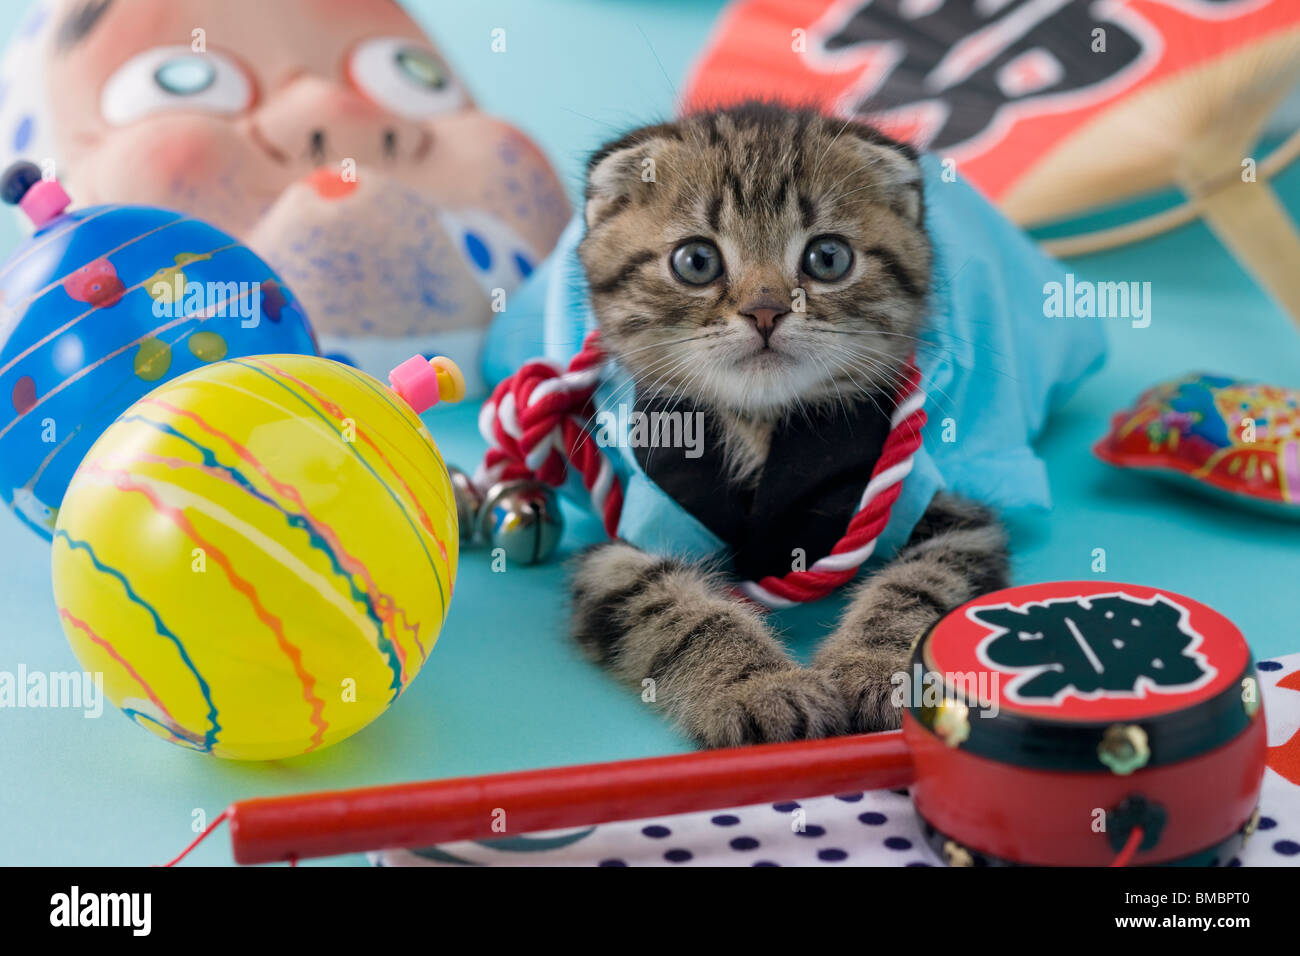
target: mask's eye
174 78
697 262
827 259
400 75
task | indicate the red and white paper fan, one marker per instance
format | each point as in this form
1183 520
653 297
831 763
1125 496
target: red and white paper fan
1051 107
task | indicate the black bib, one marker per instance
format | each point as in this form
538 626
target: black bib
808 490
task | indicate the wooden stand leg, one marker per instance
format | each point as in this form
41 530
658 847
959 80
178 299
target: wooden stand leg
1249 219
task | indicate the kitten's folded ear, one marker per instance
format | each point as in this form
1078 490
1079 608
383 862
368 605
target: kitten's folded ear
621 171
896 166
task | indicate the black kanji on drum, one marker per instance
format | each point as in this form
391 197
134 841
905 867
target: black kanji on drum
1113 644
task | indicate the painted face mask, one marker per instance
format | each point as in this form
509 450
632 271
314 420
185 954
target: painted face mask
330 135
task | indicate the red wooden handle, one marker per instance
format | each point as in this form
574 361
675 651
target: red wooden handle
465 808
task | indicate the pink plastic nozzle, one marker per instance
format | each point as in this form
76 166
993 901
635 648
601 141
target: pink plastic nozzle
44 202
422 383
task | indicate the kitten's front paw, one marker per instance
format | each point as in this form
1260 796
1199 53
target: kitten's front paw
606 577
867 684
770 706
616 570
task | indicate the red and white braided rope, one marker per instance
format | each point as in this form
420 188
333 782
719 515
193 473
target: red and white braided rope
536 426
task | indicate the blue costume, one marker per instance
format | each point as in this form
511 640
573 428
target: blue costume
993 365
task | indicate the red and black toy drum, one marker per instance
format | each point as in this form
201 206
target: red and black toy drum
1049 722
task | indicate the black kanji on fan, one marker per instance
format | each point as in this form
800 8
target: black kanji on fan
1092 645
976 58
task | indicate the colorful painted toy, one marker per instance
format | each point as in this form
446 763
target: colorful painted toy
1233 437
336 141
1073 723
259 555
100 306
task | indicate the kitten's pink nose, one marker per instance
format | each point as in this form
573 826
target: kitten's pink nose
765 314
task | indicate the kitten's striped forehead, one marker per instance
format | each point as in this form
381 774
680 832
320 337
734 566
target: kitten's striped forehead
771 159
759 168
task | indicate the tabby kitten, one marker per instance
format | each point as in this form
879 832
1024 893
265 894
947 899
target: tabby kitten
769 268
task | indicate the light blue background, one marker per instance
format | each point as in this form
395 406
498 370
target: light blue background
504 689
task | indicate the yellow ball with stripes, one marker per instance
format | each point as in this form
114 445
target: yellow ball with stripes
258 556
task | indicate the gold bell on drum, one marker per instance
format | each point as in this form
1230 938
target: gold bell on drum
1124 748
522 518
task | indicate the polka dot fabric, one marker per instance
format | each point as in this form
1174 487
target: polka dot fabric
873 829
879 828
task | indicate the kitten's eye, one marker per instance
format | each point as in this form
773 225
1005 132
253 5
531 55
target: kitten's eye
697 262
828 259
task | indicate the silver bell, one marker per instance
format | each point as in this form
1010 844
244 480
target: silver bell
523 519
468 501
